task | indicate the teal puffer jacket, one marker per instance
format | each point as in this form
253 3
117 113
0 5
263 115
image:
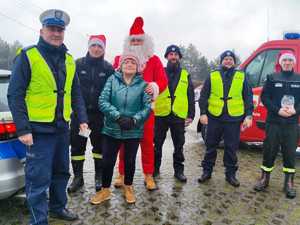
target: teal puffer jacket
118 98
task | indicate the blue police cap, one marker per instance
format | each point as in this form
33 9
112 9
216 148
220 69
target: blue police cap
55 17
173 48
227 53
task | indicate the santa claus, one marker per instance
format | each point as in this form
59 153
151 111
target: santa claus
141 45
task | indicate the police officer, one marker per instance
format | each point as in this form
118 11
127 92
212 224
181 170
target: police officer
43 90
225 102
174 109
281 96
93 72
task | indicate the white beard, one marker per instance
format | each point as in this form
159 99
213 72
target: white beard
141 53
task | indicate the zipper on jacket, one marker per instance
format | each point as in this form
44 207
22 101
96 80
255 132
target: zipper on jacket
92 86
125 103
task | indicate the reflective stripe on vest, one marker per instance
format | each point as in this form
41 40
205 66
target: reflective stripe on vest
180 104
41 94
235 103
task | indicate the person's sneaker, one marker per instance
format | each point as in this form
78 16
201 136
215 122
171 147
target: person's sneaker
149 182
101 196
233 181
204 177
65 214
180 177
129 194
119 181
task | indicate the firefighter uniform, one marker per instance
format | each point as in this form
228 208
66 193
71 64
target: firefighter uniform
172 107
282 133
226 99
93 73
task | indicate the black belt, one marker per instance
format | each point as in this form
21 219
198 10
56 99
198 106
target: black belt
225 99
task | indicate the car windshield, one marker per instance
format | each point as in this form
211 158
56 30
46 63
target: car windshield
3 91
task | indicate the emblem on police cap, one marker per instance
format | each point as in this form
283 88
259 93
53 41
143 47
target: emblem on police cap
173 49
58 14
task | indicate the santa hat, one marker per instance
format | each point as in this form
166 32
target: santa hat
287 55
97 40
136 29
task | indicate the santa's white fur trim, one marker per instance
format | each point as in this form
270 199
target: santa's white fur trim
155 90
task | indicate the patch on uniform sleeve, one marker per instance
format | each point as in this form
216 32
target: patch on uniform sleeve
82 72
295 85
101 74
278 85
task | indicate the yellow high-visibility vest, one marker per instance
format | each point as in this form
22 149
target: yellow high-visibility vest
41 94
235 103
163 103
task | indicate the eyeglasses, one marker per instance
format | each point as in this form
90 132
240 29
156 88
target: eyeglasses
136 40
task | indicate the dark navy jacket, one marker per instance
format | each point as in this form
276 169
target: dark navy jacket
173 72
93 74
276 86
19 82
227 76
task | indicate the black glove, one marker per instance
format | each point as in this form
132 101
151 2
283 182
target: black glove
126 123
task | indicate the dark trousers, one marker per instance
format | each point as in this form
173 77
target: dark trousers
177 128
78 143
230 131
47 166
282 137
111 148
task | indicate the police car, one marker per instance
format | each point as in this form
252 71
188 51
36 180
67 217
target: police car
12 151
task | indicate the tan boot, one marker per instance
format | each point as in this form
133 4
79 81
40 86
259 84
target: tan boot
103 195
129 194
149 182
119 181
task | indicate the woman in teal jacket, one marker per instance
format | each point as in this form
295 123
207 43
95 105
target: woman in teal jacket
125 106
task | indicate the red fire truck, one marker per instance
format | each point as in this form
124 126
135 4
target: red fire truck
261 63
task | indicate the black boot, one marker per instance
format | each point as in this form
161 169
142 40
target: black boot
289 188
98 174
65 214
77 182
204 177
232 180
180 177
156 172
263 182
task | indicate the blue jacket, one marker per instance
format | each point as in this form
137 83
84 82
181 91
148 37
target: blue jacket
19 82
119 99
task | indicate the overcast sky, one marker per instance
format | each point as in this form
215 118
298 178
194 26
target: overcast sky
212 25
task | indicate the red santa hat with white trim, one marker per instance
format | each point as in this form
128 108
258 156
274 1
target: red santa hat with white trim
97 40
136 29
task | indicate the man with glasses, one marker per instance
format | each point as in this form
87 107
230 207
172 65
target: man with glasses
43 90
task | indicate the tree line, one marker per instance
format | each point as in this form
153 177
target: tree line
196 64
